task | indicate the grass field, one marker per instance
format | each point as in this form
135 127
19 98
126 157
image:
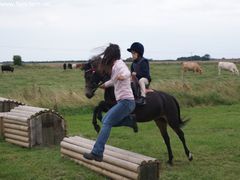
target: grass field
212 102
50 86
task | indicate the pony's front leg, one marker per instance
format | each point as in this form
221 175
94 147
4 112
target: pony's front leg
102 107
98 110
94 119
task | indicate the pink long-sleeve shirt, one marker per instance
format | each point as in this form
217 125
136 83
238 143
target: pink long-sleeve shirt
122 88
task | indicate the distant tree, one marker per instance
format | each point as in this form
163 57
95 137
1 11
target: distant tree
195 58
190 58
182 59
206 57
17 60
128 59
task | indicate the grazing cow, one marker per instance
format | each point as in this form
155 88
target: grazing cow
78 66
69 66
191 66
74 66
64 66
228 66
7 68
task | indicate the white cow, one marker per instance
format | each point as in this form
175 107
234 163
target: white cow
74 66
228 66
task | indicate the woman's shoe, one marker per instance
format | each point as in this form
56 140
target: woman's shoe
91 156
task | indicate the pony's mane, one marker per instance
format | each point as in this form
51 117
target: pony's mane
97 62
97 58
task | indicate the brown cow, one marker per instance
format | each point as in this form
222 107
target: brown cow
78 66
191 66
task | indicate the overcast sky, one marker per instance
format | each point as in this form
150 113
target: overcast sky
76 29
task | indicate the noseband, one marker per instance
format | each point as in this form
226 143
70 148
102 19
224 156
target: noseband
93 71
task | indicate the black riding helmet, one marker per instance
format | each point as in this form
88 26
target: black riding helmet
137 47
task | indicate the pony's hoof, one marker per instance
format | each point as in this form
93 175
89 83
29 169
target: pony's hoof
190 157
97 128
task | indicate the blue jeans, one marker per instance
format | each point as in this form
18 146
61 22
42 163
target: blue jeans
118 115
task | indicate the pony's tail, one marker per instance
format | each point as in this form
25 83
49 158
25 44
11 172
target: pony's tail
182 121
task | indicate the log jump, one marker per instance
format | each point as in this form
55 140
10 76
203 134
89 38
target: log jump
5 106
29 126
1 124
117 163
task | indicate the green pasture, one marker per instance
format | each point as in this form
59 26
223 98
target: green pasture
211 101
50 86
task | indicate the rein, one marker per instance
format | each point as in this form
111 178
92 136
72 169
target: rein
93 71
101 83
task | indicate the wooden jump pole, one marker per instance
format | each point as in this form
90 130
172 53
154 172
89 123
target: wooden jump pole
107 151
106 158
115 149
103 165
118 163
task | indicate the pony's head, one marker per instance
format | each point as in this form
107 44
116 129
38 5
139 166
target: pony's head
93 76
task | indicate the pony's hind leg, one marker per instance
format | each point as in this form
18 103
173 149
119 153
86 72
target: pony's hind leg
174 122
162 125
180 134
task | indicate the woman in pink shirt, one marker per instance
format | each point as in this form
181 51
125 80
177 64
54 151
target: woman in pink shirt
119 114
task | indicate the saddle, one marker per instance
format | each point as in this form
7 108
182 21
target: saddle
136 88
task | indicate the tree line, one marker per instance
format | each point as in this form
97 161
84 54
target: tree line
206 57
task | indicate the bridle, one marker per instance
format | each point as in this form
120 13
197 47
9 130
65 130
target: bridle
93 71
101 83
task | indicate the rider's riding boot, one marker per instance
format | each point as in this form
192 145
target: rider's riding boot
141 101
135 127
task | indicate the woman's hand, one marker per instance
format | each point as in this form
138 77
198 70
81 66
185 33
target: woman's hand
120 77
102 86
134 73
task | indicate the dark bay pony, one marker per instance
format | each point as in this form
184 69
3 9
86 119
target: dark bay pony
160 106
